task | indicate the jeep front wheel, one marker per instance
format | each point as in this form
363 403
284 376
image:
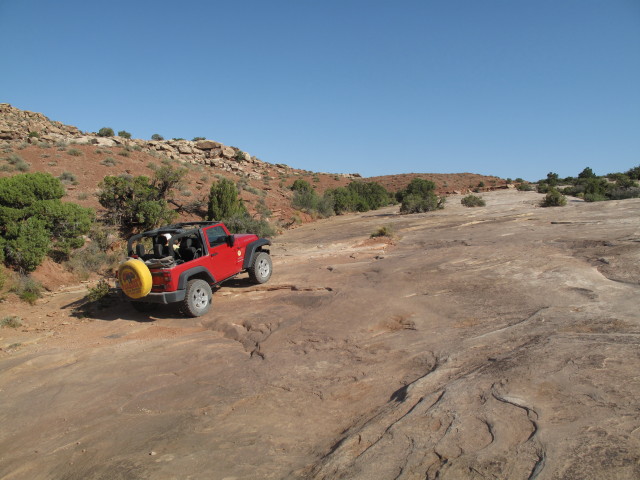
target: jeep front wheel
260 270
198 298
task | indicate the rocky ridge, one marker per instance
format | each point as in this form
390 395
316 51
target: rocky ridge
24 126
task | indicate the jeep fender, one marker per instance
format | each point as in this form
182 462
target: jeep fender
251 250
200 272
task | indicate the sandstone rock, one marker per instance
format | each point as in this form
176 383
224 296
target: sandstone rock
207 144
228 152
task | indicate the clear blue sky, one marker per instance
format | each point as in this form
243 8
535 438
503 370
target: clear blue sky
504 87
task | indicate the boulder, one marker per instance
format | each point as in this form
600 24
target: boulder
228 152
207 144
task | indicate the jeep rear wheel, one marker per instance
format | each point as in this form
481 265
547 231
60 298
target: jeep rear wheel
198 298
260 270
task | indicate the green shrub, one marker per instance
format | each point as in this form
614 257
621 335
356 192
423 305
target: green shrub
99 292
197 139
11 321
305 200
414 203
473 201
594 197
157 136
552 179
135 202
524 187
105 132
480 184
124 153
27 289
384 231
300 185
224 201
247 224
587 173
623 193
108 162
419 196
34 135
554 199
634 173
124 134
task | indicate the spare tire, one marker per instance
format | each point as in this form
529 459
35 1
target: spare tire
135 278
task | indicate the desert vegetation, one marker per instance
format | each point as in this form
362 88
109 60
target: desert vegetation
419 196
593 188
473 201
355 197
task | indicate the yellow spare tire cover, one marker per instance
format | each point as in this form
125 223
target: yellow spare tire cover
135 278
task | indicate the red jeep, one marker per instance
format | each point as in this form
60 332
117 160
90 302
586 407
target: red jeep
181 263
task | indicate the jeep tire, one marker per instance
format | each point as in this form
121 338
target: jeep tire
261 267
197 300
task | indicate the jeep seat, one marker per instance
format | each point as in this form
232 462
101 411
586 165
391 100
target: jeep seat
187 251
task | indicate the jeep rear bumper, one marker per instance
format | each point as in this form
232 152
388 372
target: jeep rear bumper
163 297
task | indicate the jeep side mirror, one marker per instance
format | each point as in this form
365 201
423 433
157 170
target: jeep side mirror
231 240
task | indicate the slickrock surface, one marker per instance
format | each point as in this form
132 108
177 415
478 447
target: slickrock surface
496 342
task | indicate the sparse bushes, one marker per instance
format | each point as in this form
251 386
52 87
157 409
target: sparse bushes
594 197
554 199
197 139
247 224
157 136
356 197
74 152
524 187
473 201
108 162
67 177
27 289
11 321
384 231
99 291
88 260
590 187
124 134
18 162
